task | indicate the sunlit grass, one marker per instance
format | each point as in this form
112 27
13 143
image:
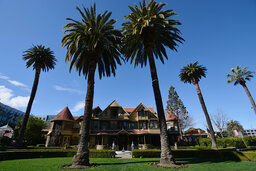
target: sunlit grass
47 164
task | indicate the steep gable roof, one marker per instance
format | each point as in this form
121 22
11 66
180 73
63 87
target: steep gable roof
145 107
65 114
171 116
115 104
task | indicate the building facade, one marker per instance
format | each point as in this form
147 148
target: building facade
9 115
117 125
249 132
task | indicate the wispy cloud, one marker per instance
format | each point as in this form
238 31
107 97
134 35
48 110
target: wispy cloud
7 97
79 105
3 77
16 83
13 82
71 90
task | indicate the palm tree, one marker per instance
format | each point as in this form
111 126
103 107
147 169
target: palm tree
91 42
239 75
146 34
192 73
41 58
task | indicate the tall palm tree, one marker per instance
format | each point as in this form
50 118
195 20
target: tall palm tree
239 75
147 33
91 42
192 73
41 58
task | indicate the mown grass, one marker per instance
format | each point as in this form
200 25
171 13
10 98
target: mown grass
52 164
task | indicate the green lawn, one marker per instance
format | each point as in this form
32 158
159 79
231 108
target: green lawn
46 164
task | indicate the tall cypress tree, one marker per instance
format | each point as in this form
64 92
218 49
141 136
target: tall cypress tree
175 104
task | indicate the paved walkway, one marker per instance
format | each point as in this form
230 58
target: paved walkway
123 154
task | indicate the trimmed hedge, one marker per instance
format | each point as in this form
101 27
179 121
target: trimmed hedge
29 153
222 142
223 154
249 141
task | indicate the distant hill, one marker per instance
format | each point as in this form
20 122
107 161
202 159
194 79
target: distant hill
9 115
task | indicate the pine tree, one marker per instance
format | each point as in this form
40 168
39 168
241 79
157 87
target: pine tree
175 104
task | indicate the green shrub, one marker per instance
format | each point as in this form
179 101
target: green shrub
222 154
204 142
146 153
249 141
47 153
222 142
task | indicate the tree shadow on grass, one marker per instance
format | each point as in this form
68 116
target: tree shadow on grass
128 162
193 160
200 160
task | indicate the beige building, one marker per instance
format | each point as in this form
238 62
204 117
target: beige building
115 124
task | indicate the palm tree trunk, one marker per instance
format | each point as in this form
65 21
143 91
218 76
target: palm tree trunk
27 113
82 155
166 155
250 97
201 99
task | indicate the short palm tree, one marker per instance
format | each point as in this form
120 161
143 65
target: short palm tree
192 73
239 75
147 33
41 58
91 42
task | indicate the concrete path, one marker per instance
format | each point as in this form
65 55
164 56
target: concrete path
123 154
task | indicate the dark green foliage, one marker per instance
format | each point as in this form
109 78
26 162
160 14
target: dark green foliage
33 133
149 24
220 154
222 142
146 153
175 104
92 39
249 141
192 73
5 141
40 58
47 153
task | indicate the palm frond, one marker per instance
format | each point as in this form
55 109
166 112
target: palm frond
149 24
239 75
192 73
40 57
93 39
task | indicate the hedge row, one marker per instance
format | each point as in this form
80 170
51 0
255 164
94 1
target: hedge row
224 154
249 141
10 155
229 142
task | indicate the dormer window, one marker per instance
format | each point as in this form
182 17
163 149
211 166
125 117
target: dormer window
114 112
141 113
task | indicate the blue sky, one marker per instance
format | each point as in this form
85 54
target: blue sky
219 34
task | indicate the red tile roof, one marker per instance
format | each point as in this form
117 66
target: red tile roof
65 114
171 116
76 117
129 109
152 109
